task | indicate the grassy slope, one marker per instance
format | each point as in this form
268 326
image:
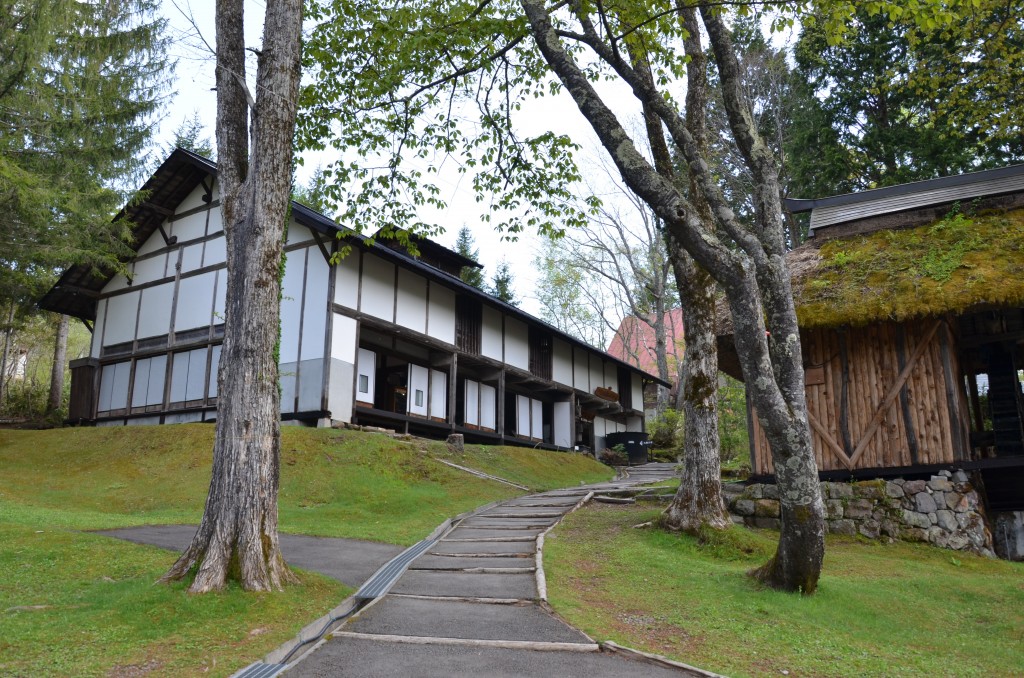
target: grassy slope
895 609
82 604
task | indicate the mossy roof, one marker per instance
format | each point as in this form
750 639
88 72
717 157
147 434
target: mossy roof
949 266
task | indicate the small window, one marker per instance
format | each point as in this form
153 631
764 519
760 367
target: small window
364 383
419 398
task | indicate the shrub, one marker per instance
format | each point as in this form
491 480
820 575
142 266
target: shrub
666 430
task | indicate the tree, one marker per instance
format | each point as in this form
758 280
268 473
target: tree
191 136
315 195
570 298
238 532
466 246
502 284
410 74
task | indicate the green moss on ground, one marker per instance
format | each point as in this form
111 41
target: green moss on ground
892 610
949 266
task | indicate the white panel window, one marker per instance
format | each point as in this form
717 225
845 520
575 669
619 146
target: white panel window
561 363
291 305
488 407
441 318
491 336
343 339
192 257
214 368
438 394
411 311
419 382
195 302
148 388
522 416
581 370
536 419
563 424
155 310
97 334
114 386
378 296
366 367
517 348
150 269
122 312
346 281
188 375
472 403
215 251
314 314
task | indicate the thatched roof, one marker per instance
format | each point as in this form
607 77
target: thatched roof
949 266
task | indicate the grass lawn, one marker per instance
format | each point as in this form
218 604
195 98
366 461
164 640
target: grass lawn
896 609
74 603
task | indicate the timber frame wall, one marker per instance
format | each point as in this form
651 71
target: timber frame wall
884 396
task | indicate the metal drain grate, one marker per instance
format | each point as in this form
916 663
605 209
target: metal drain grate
260 670
377 585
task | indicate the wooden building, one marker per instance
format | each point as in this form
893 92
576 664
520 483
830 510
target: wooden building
383 337
911 304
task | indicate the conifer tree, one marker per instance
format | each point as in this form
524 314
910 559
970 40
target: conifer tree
503 285
466 246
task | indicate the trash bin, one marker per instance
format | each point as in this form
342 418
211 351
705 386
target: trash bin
635 442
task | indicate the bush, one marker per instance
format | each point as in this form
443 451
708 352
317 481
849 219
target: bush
614 456
666 430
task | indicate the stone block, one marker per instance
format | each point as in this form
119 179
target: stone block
858 508
753 491
962 519
767 523
952 499
958 541
938 536
834 508
914 486
770 491
898 481
960 477
946 520
766 508
916 520
840 491
872 489
743 507
940 499
914 534
846 527
870 529
940 483
945 474
890 528
893 490
933 518
923 503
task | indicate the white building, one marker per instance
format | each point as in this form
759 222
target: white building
382 338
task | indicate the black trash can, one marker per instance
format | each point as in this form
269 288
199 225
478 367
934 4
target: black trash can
635 442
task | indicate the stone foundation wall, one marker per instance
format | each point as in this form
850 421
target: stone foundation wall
944 511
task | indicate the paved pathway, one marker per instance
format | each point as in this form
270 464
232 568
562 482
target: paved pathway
469 606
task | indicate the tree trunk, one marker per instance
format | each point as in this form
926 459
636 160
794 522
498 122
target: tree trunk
661 351
238 533
752 271
8 335
60 350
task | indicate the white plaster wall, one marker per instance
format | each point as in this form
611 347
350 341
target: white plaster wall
150 269
346 281
441 314
192 257
600 430
220 295
297 233
378 295
563 424
517 348
192 226
411 311
635 424
195 301
214 370
491 334
611 376
438 394
214 251
419 385
472 402
581 369
536 419
311 383
154 242
522 416
291 305
215 222
366 366
343 339
195 198
561 362
155 310
314 314
637 383
596 372
118 282
121 316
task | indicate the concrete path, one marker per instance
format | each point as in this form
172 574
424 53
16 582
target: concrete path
470 605
350 561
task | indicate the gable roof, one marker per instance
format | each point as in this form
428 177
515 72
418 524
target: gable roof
634 341
77 290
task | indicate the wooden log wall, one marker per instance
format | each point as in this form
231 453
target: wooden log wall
883 396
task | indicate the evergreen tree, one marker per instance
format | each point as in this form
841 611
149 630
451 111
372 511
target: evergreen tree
316 195
502 284
191 136
466 246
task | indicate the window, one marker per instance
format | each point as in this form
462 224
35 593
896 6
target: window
419 398
364 383
468 320
540 353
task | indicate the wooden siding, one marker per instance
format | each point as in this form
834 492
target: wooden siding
897 409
